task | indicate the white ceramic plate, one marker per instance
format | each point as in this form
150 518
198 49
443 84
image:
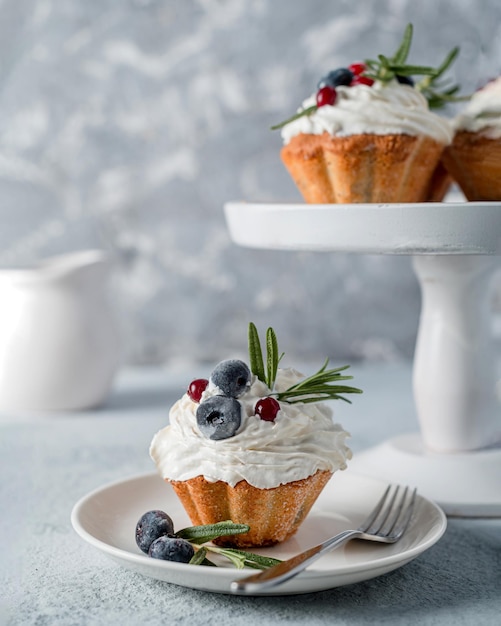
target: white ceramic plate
107 517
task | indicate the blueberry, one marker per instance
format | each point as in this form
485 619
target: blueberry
151 526
405 80
219 417
341 76
232 377
171 549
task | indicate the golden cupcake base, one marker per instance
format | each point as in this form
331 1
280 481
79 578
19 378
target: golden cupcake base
365 168
273 515
474 161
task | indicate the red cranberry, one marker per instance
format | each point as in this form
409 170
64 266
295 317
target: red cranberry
267 409
357 68
362 80
196 389
326 95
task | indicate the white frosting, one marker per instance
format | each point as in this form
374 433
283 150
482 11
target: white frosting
381 109
483 112
301 440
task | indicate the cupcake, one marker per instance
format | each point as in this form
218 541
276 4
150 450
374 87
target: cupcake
367 135
252 446
439 185
474 157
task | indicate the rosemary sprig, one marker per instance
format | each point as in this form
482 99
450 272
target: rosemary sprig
256 355
437 94
320 386
239 558
385 69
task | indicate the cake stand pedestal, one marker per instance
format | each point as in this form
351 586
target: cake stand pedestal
455 459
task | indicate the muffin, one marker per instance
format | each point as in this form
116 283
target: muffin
440 183
252 448
367 135
474 157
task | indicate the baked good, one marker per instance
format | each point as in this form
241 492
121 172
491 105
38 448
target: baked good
367 135
362 168
249 446
439 185
474 157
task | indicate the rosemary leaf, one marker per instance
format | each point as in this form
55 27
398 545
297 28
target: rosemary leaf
208 532
257 559
241 558
447 62
255 353
299 114
236 559
271 357
384 61
402 53
318 397
410 70
199 557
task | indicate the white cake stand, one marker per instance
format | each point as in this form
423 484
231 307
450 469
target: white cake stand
456 458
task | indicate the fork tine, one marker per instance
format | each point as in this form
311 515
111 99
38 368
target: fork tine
404 522
366 524
398 517
394 512
385 511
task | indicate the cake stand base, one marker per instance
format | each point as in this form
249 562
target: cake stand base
463 484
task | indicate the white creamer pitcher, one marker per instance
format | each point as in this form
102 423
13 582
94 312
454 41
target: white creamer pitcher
59 347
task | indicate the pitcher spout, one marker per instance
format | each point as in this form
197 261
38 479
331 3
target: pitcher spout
75 262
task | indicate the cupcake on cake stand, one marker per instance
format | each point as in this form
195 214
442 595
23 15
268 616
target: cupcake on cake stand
455 459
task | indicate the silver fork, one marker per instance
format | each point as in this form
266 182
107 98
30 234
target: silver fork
386 524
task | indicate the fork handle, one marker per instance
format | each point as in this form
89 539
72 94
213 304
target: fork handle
286 570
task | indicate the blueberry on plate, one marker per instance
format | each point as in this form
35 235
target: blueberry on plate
232 377
219 417
151 526
171 549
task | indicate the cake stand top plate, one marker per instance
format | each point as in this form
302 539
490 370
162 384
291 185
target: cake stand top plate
421 228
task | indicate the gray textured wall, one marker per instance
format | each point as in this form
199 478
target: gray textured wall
127 125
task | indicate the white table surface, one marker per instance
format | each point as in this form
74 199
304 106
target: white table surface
50 576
